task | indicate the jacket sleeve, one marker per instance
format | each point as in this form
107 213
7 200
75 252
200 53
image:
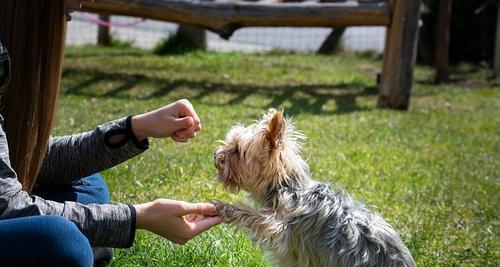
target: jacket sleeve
103 225
73 157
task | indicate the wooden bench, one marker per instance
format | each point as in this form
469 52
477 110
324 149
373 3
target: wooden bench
401 17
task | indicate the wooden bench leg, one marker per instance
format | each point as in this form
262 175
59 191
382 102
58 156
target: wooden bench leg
443 42
400 55
496 69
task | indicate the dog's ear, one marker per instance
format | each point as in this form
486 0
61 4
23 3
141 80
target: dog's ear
275 128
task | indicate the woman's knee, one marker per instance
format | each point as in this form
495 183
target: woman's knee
96 189
65 244
43 241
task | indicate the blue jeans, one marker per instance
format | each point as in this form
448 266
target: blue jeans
52 240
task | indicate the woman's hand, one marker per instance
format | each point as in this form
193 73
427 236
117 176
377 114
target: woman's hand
177 120
177 221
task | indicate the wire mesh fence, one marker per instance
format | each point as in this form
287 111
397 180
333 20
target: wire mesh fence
147 33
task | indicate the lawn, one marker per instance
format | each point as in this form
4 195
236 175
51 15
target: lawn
433 172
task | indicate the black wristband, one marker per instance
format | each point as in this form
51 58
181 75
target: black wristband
128 134
133 219
144 144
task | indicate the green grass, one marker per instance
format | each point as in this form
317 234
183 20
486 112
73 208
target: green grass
433 172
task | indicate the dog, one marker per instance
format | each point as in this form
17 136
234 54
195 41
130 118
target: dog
296 220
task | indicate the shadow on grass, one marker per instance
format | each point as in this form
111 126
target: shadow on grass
94 52
307 98
465 75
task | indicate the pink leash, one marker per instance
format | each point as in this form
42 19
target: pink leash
101 22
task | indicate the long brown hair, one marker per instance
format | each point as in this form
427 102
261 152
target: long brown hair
34 33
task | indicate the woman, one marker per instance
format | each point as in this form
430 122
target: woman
53 205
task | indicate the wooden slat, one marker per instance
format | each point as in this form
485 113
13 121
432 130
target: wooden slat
225 18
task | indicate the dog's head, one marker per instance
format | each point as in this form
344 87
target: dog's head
262 156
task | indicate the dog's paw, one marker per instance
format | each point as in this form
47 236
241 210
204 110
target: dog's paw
220 208
225 211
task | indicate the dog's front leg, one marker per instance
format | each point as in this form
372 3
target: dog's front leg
265 228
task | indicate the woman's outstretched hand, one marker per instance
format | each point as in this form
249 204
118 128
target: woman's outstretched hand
177 221
177 120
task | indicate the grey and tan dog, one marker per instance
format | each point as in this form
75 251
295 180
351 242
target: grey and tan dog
296 220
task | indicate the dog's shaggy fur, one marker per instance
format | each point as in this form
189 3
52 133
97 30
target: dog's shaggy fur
298 221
